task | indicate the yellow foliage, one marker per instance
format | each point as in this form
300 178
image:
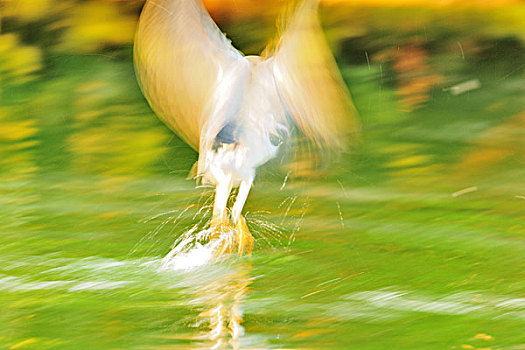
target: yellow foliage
483 336
14 130
95 24
19 130
410 161
16 154
509 21
17 62
108 141
27 9
406 155
115 150
23 344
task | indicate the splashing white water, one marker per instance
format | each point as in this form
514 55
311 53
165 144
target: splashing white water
196 250
197 256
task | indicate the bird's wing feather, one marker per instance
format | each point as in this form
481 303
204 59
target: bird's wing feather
309 81
180 54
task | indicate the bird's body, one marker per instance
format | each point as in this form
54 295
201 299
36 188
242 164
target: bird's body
236 110
245 117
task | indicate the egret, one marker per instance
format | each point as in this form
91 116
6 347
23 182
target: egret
237 110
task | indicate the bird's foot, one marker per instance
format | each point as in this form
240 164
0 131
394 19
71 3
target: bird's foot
243 237
221 237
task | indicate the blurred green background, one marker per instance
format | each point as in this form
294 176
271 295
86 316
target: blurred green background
413 240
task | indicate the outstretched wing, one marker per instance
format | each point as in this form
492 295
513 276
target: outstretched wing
309 81
180 54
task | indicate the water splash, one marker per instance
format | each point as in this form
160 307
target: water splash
194 249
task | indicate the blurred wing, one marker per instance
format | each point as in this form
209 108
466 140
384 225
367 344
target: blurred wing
309 82
180 54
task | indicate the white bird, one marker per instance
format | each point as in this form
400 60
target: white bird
236 110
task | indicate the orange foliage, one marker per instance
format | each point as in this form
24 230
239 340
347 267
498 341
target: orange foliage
414 74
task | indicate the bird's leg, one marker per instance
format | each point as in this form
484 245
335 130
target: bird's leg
220 225
222 192
243 235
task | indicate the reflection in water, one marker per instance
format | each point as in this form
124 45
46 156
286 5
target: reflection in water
223 308
499 145
415 76
220 298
